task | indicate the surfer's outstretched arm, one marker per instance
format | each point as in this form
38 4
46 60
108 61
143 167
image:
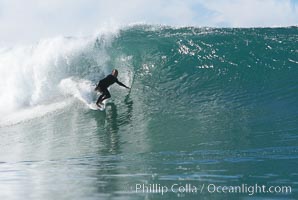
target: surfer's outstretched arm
119 83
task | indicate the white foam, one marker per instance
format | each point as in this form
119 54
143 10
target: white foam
81 89
30 75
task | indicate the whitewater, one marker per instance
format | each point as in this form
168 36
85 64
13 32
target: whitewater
206 105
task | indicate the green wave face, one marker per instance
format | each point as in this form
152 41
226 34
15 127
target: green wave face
188 67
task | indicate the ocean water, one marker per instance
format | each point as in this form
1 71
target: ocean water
208 108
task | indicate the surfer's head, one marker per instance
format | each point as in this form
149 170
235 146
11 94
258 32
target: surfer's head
115 72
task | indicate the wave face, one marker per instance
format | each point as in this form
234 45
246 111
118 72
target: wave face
233 67
206 106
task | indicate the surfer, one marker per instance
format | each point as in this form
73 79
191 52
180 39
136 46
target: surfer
103 85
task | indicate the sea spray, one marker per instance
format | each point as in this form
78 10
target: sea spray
30 75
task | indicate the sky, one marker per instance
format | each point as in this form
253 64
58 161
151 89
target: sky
31 20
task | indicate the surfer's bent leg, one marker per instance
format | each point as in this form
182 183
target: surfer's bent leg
105 95
99 100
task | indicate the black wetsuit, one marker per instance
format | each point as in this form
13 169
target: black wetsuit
103 85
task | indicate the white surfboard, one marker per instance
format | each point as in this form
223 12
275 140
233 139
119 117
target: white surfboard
93 106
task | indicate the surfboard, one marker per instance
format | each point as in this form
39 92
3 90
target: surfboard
93 106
